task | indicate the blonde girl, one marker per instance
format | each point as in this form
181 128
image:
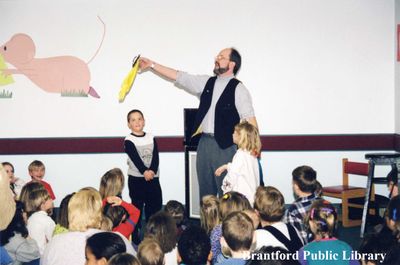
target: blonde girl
322 221
112 183
243 172
209 213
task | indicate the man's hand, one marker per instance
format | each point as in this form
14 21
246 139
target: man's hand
144 63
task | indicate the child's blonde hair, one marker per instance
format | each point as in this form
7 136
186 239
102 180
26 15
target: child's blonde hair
209 213
36 164
150 252
238 231
35 200
249 138
84 210
323 216
112 183
232 201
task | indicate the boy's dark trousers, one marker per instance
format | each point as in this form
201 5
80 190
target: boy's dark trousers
147 197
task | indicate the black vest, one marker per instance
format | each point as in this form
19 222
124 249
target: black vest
226 114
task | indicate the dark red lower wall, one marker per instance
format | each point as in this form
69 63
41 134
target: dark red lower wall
356 142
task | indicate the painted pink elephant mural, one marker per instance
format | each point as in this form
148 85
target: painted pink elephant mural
67 75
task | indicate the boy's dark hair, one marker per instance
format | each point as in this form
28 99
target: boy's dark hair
115 213
8 164
62 215
105 245
377 243
237 59
237 230
123 259
162 227
306 178
194 246
176 210
134 111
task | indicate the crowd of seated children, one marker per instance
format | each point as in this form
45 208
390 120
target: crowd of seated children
230 228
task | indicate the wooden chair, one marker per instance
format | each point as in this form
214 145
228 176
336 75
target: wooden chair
346 192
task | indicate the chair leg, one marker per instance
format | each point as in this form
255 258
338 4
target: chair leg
345 212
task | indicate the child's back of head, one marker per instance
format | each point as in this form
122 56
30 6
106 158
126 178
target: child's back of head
232 201
194 246
102 246
176 210
162 227
117 214
37 202
62 215
150 252
270 204
305 178
112 183
209 212
322 219
237 231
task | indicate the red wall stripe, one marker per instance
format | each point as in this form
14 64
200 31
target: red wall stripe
87 145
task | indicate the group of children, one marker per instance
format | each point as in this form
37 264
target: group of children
247 225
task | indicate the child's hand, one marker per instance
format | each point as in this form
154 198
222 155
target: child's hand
114 200
220 170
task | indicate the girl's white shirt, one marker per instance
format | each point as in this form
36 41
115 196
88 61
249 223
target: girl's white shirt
243 175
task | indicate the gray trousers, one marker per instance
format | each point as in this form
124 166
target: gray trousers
210 157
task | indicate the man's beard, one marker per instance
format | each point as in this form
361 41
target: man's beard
220 70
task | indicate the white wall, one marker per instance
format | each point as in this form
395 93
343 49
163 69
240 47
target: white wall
313 67
308 64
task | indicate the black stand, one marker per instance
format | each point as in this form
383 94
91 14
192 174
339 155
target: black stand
192 197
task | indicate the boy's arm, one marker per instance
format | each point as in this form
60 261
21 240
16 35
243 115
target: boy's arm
133 212
126 228
133 154
155 160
